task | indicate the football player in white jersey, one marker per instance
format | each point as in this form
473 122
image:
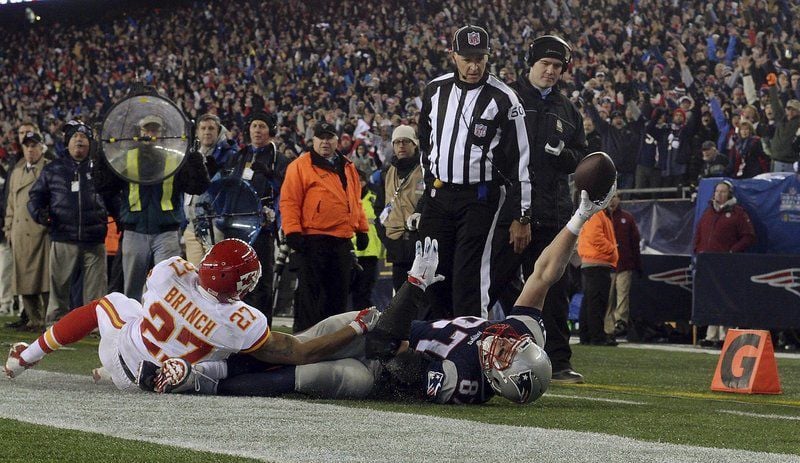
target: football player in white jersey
194 315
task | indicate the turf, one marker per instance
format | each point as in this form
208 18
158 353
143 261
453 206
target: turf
25 442
653 395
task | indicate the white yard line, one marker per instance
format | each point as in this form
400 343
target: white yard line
761 415
596 399
297 431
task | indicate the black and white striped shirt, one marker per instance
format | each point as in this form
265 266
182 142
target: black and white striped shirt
467 129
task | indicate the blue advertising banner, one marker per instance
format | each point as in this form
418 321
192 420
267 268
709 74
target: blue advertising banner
773 205
664 293
664 225
747 290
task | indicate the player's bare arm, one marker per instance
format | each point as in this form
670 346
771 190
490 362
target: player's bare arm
286 349
554 259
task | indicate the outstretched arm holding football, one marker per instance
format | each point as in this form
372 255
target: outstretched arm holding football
554 258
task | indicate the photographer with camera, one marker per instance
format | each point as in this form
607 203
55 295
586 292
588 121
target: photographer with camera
261 166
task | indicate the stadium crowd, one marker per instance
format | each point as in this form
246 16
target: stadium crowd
660 83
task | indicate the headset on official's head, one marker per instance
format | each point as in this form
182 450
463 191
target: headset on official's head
537 40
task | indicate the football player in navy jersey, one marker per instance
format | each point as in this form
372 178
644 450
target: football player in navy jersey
464 360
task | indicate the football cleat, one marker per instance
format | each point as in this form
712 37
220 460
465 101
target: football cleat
15 365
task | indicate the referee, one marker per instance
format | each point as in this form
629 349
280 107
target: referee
474 150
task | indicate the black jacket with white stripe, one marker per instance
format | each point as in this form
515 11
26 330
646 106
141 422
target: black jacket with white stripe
553 115
474 133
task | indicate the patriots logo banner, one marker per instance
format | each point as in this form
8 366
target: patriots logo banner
681 277
753 290
788 279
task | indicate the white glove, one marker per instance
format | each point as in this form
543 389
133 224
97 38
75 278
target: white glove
423 270
269 214
412 221
587 208
554 150
366 320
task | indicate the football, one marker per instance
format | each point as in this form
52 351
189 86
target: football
595 174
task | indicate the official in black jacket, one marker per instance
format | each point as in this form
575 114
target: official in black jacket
557 143
65 200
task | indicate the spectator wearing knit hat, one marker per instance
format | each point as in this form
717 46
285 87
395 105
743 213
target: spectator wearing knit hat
399 187
260 165
64 199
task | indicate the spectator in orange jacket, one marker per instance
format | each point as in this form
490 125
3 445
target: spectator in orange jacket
597 246
321 211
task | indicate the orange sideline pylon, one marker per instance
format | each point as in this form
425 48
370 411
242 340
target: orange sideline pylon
747 364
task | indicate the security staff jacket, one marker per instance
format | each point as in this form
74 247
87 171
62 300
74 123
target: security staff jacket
552 115
320 198
157 208
475 133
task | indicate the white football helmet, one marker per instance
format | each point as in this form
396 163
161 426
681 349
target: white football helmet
516 367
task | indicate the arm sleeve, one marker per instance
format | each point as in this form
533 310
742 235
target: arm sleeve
777 107
730 51
516 148
39 199
749 89
292 199
442 379
575 149
747 235
193 175
423 122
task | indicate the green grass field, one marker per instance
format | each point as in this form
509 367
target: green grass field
646 394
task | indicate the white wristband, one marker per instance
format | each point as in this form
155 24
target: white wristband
575 224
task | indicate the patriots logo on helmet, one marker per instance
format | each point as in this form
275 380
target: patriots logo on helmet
474 38
788 279
435 382
524 384
679 277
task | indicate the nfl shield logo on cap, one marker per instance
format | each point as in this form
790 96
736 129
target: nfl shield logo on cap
471 40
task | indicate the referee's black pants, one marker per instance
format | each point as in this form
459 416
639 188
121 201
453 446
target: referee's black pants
507 286
462 219
323 279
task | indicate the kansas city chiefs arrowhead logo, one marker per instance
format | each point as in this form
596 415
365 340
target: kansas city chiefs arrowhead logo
679 277
788 279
